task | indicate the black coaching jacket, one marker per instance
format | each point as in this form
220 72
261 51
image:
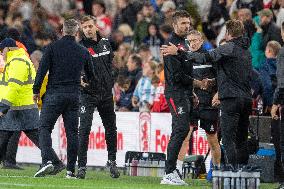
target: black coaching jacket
102 56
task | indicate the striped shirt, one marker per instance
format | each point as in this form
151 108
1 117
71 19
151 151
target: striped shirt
144 91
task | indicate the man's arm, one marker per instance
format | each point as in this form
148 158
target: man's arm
42 70
212 56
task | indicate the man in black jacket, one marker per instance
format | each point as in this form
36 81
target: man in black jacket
179 95
97 93
64 59
233 77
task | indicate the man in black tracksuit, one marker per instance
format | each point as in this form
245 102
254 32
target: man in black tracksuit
64 59
233 77
178 91
97 94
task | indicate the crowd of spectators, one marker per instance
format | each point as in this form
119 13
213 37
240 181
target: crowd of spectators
137 28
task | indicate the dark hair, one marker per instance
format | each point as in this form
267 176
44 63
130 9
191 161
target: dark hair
136 59
16 15
235 28
144 47
43 36
180 14
282 25
14 34
166 28
122 80
101 3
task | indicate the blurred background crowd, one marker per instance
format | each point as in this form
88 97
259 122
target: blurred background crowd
137 28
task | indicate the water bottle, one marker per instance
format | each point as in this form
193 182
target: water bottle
227 179
215 180
134 168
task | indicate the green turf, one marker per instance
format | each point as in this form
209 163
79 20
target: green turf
11 179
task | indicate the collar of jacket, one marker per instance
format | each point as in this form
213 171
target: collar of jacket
90 41
68 37
177 36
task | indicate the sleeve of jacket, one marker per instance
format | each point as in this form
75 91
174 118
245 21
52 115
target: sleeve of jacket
216 54
174 65
42 70
88 67
17 74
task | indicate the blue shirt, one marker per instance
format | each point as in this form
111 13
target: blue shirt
144 91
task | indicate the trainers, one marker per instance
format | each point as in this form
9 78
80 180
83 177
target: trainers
8 165
44 169
81 173
114 173
70 175
58 168
281 186
173 179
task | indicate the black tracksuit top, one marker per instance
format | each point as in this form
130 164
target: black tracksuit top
178 71
102 55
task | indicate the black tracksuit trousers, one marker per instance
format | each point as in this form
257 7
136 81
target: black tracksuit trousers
234 123
181 107
12 148
105 107
54 105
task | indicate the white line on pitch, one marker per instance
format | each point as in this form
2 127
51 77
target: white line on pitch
50 186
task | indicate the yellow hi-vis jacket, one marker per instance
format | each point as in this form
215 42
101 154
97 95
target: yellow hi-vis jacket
17 81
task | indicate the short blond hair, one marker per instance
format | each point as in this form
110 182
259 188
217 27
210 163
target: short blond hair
274 46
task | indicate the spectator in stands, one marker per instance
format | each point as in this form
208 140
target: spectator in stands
42 40
120 60
124 103
256 47
160 103
134 66
268 74
270 30
146 54
126 13
165 31
127 33
154 40
103 21
140 31
168 9
116 39
143 95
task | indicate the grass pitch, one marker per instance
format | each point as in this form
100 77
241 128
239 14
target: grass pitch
11 179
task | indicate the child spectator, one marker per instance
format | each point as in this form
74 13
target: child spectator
268 74
160 103
154 40
143 95
124 103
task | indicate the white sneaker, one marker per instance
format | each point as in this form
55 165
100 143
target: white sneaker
44 169
173 179
70 175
